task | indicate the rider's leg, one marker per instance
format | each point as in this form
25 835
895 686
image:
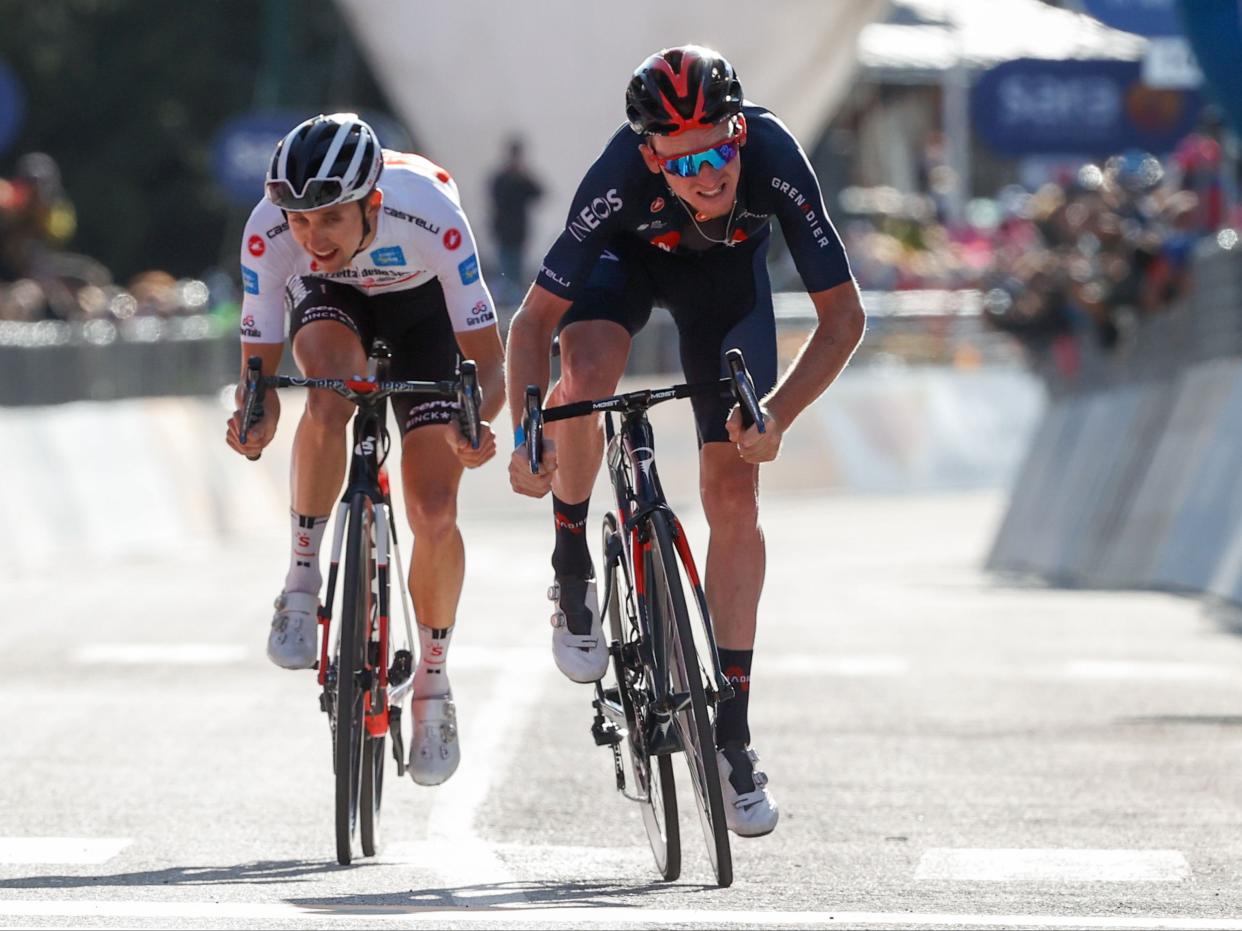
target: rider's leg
324 348
431 474
593 356
736 563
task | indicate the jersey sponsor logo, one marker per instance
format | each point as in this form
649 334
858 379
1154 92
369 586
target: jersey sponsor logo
452 239
250 280
653 225
657 205
563 282
469 270
410 218
255 245
480 314
808 210
667 241
389 255
593 214
276 230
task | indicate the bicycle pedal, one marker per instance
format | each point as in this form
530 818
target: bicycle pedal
605 733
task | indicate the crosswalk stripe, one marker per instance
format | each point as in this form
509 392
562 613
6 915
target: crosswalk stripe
611 917
1053 865
60 850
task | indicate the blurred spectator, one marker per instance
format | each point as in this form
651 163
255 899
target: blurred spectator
513 191
35 216
1087 255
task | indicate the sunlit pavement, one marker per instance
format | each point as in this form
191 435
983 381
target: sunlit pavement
947 749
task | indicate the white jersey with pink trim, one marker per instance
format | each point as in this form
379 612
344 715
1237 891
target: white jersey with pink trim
422 233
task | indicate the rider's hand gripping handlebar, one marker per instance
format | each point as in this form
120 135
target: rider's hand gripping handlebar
532 427
744 391
469 400
252 401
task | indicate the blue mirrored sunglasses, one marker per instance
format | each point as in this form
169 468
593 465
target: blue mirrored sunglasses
690 164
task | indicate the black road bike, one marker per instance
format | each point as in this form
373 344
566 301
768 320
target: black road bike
666 683
363 671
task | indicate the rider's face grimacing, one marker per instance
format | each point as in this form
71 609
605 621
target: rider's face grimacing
712 191
330 235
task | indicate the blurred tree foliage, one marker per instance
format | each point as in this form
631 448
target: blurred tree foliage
127 95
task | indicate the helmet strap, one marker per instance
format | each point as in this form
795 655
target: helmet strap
366 228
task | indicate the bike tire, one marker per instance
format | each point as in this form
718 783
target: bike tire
372 794
350 727
695 728
659 811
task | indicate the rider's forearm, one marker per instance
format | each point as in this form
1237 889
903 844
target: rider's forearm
823 355
270 353
492 384
530 340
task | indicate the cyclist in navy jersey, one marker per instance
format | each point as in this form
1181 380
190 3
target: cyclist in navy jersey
676 211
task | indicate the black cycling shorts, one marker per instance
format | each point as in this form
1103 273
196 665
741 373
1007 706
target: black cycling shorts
719 300
414 323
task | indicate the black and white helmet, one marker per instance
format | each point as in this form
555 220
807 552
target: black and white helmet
333 159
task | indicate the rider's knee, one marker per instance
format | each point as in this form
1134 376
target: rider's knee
328 411
432 512
587 372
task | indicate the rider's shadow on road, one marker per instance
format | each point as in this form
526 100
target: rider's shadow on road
261 872
503 896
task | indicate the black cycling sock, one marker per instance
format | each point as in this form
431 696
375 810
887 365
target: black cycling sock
731 718
571 555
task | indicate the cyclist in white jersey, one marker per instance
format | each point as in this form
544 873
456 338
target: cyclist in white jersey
354 242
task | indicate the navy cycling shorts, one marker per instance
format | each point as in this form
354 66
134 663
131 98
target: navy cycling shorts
719 300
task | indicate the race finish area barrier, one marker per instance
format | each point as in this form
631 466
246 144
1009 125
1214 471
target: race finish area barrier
1131 478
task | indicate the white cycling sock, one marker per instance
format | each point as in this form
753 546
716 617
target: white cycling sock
431 680
303 573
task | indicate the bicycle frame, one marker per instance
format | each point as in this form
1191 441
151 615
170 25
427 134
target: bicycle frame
630 454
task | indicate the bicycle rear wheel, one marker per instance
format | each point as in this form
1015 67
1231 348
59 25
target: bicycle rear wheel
350 679
653 784
685 675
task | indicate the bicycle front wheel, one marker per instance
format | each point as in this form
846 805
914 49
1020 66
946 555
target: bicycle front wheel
686 677
651 777
350 675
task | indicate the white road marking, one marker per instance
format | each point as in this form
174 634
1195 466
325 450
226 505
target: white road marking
540 916
1141 669
166 654
1056 865
490 740
60 850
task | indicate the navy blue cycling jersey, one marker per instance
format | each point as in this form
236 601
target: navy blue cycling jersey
620 197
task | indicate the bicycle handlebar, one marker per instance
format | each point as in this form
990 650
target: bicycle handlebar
738 382
465 390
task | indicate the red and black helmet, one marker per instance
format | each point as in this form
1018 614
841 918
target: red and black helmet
682 88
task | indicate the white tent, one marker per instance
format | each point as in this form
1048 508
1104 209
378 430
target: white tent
465 75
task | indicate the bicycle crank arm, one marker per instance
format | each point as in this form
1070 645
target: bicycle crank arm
394 731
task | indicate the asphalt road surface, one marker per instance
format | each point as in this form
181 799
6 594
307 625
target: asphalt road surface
948 749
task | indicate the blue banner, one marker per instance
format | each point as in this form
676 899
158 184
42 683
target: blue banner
1035 107
1214 30
12 107
1145 17
243 146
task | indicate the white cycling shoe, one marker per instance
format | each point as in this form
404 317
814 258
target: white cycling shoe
434 749
293 642
750 810
582 657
